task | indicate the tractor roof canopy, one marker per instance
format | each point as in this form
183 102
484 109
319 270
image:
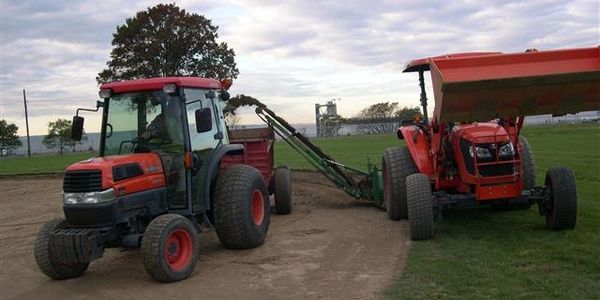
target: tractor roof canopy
154 84
483 86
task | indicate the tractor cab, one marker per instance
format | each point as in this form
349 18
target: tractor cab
175 121
159 180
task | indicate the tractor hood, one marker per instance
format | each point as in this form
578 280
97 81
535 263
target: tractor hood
139 171
481 132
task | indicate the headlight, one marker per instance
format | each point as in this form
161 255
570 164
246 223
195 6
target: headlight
507 150
482 153
89 198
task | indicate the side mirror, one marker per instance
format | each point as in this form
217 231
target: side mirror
77 128
203 120
225 96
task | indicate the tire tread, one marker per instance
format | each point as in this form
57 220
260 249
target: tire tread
230 213
401 164
420 207
561 180
153 248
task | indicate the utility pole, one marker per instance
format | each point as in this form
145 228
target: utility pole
27 124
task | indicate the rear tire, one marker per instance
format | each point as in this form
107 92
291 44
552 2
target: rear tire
397 164
562 211
283 190
420 207
170 248
241 207
46 258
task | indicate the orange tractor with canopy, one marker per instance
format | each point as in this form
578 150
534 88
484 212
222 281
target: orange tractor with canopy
470 152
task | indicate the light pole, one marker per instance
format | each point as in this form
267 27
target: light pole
27 124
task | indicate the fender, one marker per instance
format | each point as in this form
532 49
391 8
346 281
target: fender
419 148
213 169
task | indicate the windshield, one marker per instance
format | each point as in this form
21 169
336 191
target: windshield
139 122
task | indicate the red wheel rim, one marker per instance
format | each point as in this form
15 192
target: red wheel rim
178 249
258 207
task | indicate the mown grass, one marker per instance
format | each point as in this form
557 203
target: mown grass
355 151
480 253
37 164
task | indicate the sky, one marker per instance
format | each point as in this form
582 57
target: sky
291 54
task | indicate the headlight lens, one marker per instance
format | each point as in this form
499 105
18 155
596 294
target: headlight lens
482 153
507 150
89 198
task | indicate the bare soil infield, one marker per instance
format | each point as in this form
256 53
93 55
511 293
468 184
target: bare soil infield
331 247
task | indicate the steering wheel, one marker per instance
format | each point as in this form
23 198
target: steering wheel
142 145
133 145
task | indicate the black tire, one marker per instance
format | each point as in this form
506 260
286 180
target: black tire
562 211
283 190
241 221
420 207
396 165
46 258
170 248
528 163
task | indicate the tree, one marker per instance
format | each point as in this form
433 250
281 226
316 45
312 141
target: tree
408 113
165 40
384 117
331 125
382 110
59 136
378 118
8 135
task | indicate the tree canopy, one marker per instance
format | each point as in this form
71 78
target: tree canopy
384 117
8 135
59 136
165 40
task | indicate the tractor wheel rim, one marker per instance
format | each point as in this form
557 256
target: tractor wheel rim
178 249
258 207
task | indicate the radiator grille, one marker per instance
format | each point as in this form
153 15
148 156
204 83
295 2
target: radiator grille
82 181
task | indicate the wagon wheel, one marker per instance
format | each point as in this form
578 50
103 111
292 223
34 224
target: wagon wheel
283 190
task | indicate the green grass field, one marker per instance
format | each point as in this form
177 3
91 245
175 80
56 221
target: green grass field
480 253
477 253
37 164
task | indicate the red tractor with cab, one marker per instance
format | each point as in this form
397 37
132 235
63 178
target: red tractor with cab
166 170
470 152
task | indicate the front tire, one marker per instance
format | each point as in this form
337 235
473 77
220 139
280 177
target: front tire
46 258
561 213
420 207
170 248
241 207
528 164
397 164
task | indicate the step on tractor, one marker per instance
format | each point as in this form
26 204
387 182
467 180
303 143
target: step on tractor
470 152
167 169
